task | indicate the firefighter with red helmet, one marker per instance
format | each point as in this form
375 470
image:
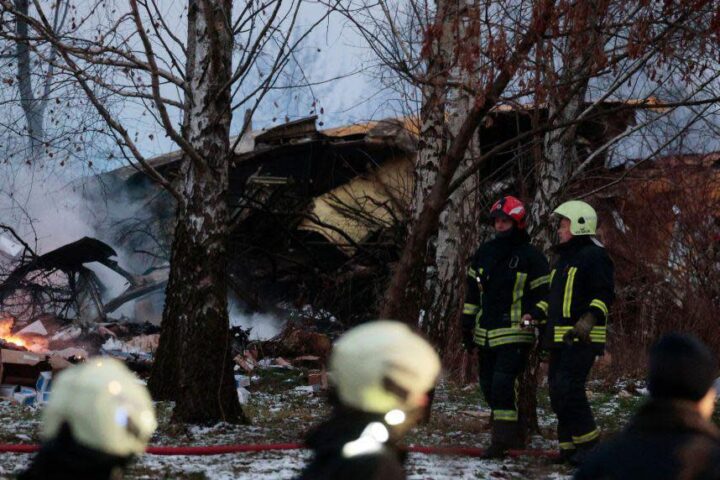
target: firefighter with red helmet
507 284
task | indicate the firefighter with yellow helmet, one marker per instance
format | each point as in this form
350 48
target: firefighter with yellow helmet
581 293
381 373
98 418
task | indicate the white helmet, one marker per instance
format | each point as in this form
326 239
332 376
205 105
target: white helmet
105 406
382 366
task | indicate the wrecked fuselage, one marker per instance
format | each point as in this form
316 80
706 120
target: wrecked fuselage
60 282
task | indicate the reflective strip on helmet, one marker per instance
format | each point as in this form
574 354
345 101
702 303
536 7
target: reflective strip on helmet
506 415
540 281
471 273
567 299
470 309
518 290
600 305
588 437
543 305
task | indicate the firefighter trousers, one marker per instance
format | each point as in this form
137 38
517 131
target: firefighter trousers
500 370
567 373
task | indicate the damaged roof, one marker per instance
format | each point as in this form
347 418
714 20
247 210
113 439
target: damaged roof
389 133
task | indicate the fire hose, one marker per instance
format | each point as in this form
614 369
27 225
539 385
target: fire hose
225 449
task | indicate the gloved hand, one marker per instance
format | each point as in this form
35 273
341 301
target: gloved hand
581 330
468 339
543 356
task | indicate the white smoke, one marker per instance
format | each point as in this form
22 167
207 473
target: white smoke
264 326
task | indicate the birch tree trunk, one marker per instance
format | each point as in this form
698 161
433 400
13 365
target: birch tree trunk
457 227
401 301
32 108
192 367
433 135
565 103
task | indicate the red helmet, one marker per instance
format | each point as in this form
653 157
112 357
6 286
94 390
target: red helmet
509 207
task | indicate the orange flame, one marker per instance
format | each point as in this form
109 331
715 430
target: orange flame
30 342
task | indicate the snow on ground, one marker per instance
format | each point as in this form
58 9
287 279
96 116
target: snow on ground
281 412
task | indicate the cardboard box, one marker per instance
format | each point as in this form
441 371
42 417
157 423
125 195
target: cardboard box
26 396
21 368
243 395
44 382
42 397
25 368
318 380
242 381
7 391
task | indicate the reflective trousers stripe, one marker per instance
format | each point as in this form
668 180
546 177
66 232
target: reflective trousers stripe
507 415
588 437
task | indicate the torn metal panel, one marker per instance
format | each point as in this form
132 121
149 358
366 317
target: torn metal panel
68 258
348 214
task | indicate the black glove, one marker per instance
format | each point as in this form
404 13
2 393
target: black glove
543 356
468 339
581 330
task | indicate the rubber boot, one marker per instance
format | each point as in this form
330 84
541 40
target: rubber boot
564 456
505 436
582 451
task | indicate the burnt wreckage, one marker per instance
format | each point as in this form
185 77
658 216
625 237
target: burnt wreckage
32 282
318 216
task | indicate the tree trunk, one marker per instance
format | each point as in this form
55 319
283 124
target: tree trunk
32 107
401 301
193 363
458 226
433 143
565 103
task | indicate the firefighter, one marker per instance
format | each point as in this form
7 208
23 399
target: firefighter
672 435
581 292
506 286
381 374
98 418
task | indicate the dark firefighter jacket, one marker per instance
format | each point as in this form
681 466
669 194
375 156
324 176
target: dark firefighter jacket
507 278
63 458
581 281
331 460
666 440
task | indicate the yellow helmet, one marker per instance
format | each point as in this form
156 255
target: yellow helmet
583 218
383 365
104 405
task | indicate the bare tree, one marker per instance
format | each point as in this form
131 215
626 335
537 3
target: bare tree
584 55
190 84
